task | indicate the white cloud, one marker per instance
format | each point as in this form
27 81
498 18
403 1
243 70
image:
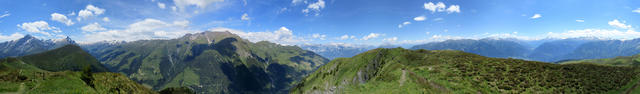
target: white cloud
182 4
428 33
509 35
106 19
161 5
618 24
38 27
89 11
315 7
319 36
453 9
61 18
404 24
343 37
245 17
433 38
438 19
5 15
72 14
392 39
371 36
145 29
92 27
637 10
435 7
174 9
181 23
296 1
282 36
13 36
579 20
536 16
420 18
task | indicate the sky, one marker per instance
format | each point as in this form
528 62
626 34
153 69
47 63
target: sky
295 22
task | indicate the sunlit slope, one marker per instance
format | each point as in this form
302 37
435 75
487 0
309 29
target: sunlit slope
444 71
212 62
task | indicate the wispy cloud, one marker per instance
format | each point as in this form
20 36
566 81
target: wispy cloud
61 18
371 36
40 27
282 36
89 11
13 36
535 16
314 7
162 5
420 18
392 39
618 24
92 27
441 7
145 29
404 24
245 17
637 10
6 13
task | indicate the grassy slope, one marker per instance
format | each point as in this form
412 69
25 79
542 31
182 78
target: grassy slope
69 57
617 61
212 62
17 76
421 71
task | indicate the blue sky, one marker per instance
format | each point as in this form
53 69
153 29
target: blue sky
371 22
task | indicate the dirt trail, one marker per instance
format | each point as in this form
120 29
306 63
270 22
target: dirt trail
403 77
422 80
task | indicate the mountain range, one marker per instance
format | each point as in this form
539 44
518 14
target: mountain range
485 47
30 45
551 50
210 62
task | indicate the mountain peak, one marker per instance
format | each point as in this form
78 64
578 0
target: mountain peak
27 37
211 35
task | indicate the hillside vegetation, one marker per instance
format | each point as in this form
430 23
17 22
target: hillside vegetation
402 71
66 70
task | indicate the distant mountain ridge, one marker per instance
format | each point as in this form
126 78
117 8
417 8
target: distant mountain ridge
546 51
486 47
332 51
31 45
